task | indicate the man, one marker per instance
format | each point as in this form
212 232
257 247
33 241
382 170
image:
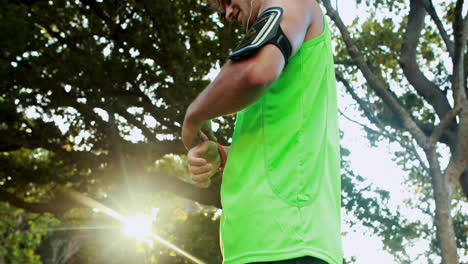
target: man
281 183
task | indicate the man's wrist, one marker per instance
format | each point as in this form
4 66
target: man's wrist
191 116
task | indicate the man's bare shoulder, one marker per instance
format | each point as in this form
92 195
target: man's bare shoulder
302 19
290 3
292 8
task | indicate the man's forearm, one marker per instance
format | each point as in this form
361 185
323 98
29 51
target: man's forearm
229 93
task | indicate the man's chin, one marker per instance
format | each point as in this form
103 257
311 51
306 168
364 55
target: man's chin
243 25
240 23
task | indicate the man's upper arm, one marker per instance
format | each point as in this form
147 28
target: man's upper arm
296 20
269 60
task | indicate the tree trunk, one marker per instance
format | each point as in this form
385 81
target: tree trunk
443 217
464 182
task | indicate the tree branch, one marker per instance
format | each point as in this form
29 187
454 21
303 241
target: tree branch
65 200
98 11
364 105
425 88
429 6
443 220
372 80
448 136
444 123
464 182
56 206
459 159
345 62
376 121
460 30
150 136
209 196
31 2
465 21
384 133
154 111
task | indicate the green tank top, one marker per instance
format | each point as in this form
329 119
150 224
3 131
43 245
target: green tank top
281 185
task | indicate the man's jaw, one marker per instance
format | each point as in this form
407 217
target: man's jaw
239 18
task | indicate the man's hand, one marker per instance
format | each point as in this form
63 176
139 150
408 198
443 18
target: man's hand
194 134
203 161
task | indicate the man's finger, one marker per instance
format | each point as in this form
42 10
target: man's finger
196 161
202 177
208 133
196 170
203 136
211 136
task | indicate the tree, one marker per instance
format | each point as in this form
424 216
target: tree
415 72
79 78
21 233
79 81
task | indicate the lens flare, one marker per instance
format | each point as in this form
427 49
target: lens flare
138 227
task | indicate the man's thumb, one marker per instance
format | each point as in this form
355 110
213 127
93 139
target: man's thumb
203 136
209 134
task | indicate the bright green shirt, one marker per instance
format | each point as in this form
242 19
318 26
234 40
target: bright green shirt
281 185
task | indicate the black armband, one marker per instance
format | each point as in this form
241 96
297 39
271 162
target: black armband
265 30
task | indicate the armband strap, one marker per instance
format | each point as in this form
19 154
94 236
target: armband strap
264 31
223 155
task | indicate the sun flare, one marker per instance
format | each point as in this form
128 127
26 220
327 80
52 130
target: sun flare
138 226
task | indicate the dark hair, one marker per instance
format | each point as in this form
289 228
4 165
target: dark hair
217 5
